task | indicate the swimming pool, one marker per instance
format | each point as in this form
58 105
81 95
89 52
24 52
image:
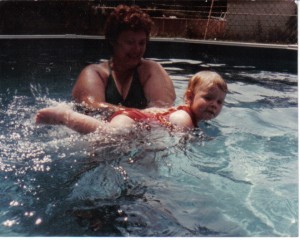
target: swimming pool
237 176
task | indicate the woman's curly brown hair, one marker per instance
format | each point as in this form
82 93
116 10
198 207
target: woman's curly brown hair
126 18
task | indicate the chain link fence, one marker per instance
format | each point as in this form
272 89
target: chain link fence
270 21
261 21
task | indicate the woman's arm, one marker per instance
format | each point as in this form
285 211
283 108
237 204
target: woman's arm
158 86
89 88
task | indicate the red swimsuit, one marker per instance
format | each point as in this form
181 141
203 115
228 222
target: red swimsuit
161 117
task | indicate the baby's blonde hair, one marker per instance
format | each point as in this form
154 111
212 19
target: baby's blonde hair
204 79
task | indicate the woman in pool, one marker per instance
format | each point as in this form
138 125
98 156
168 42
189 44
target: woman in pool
204 100
126 79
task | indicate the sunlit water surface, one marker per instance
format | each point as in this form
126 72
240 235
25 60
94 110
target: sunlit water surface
236 176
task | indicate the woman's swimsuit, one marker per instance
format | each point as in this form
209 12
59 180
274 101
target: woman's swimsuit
135 97
161 117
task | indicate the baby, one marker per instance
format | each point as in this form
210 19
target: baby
204 100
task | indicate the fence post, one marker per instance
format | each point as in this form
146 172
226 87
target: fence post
210 10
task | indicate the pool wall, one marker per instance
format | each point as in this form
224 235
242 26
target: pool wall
73 46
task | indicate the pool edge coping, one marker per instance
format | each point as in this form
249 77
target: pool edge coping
159 39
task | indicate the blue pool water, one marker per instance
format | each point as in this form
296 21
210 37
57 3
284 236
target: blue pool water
237 176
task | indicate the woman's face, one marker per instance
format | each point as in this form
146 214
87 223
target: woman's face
207 103
130 47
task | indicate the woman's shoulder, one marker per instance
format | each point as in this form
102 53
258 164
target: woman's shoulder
97 69
151 67
92 75
150 62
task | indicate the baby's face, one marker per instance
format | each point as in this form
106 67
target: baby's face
208 103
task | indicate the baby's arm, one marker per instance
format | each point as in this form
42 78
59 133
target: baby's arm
181 119
63 115
81 123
